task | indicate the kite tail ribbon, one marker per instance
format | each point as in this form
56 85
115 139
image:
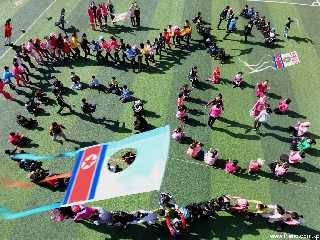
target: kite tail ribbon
8 215
44 157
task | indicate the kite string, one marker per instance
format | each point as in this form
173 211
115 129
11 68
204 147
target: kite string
44 157
8 215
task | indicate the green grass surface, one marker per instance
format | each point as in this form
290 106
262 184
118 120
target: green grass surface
188 180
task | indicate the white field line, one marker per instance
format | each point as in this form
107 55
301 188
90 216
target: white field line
27 30
314 4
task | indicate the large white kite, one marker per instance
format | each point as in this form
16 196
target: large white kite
91 180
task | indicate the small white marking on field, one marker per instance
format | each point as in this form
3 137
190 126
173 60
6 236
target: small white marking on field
18 3
314 4
261 66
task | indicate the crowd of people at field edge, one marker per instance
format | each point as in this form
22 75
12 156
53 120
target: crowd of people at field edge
176 219
59 47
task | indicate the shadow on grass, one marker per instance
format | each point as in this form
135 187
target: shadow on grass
236 135
313 152
235 123
306 167
194 123
150 114
196 101
83 144
294 114
196 112
301 39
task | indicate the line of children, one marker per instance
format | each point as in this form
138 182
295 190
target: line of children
177 219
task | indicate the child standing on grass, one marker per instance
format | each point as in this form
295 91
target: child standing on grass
7 33
214 113
91 19
263 117
75 45
287 27
3 92
55 131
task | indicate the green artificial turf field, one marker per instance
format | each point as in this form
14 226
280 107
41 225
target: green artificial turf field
188 180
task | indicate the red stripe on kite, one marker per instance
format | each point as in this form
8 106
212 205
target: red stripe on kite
84 178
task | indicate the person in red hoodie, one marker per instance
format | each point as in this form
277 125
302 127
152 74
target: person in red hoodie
105 12
91 19
167 37
3 92
67 49
99 16
7 33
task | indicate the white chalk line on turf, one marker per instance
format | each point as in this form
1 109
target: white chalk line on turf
32 24
258 67
314 4
260 177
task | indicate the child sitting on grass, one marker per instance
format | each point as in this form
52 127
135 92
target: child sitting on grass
231 167
238 80
195 149
178 134
211 157
283 106
125 95
255 165
17 139
27 123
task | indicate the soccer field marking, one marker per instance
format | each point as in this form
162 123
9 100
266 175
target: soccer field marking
314 188
313 4
27 30
316 3
258 67
18 3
